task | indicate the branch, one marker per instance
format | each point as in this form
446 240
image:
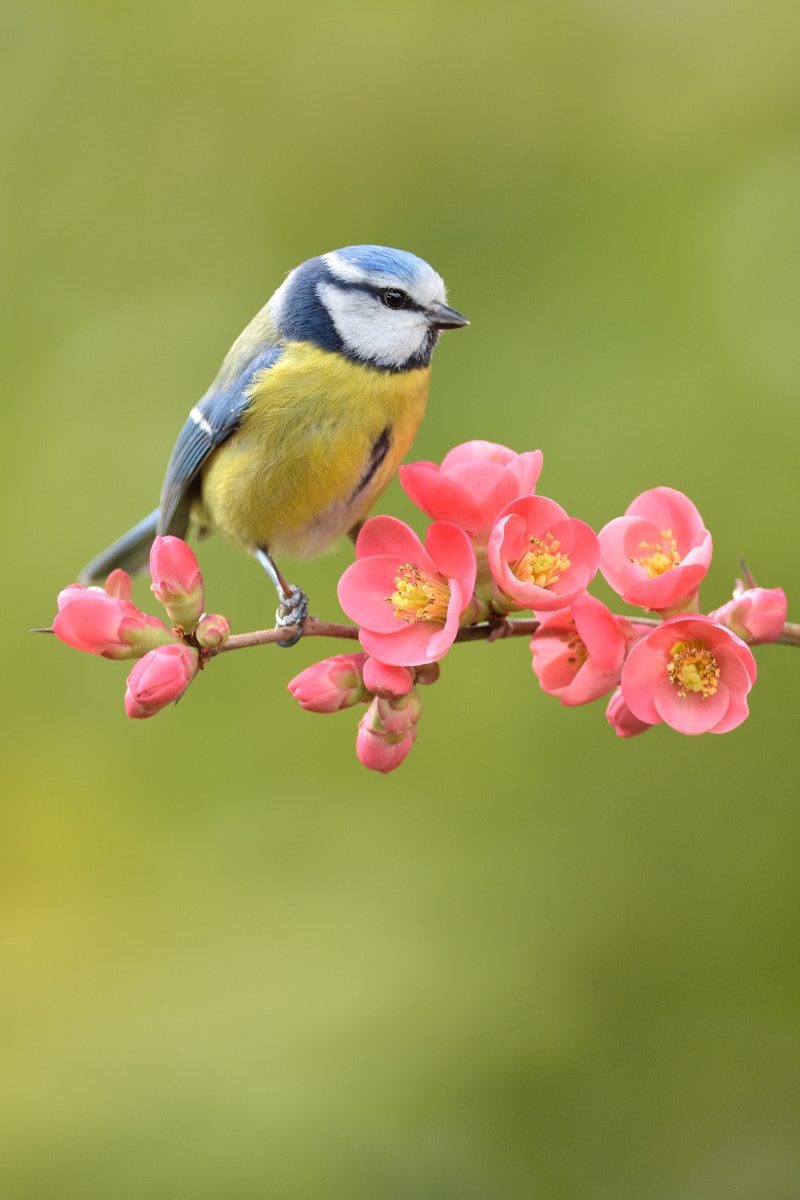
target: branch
488 631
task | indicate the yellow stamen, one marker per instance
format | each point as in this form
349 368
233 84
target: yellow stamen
542 565
663 556
418 597
693 669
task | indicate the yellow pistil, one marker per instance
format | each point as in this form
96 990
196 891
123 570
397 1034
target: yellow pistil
663 556
693 669
418 597
542 564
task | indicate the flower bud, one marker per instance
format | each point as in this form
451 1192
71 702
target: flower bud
621 719
177 581
384 680
428 673
756 615
331 685
398 714
92 620
119 584
213 630
377 750
159 678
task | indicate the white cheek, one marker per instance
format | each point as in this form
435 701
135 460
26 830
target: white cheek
377 334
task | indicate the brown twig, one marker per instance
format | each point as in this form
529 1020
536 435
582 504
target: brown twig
488 631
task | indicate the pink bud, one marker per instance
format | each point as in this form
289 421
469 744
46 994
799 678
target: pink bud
384 680
330 685
398 714
177 581
119 584
756 615
162 676
90 619
378 751
621 719
213 630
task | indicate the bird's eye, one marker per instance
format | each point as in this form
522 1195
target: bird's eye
394 298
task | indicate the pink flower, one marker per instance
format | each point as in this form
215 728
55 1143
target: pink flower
578 652
177 581
161 677
540 558
657 554
92 620
409 599
475 481
331 685
621 719
691 673
387 731
756 615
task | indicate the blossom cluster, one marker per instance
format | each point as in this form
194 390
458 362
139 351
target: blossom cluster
104 621
496 547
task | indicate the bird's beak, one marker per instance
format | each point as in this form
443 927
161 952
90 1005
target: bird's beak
442 317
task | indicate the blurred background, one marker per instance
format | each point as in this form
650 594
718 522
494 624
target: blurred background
537 960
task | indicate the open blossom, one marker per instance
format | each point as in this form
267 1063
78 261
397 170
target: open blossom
474 482
578 652
91 619
177 581
658 553
409 599
540 558
160 678
331 685
756 615
690 673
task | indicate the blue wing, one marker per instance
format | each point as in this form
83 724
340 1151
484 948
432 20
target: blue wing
210 423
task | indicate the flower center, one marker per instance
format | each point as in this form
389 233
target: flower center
693 669
542 564
577 653
663 555
418 597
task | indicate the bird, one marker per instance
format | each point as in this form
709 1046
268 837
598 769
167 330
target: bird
314 407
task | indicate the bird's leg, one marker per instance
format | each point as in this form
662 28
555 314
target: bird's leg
293 608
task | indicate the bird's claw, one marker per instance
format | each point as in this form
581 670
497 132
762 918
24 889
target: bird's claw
292 612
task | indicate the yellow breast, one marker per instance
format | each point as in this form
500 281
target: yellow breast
319 443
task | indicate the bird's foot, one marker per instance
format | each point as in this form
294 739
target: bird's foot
292 611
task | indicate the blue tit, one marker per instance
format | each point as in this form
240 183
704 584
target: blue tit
312 411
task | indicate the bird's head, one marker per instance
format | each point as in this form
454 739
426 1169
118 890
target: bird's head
375 305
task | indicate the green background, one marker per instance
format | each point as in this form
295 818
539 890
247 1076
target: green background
537 960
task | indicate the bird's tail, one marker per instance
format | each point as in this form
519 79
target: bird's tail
131 552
